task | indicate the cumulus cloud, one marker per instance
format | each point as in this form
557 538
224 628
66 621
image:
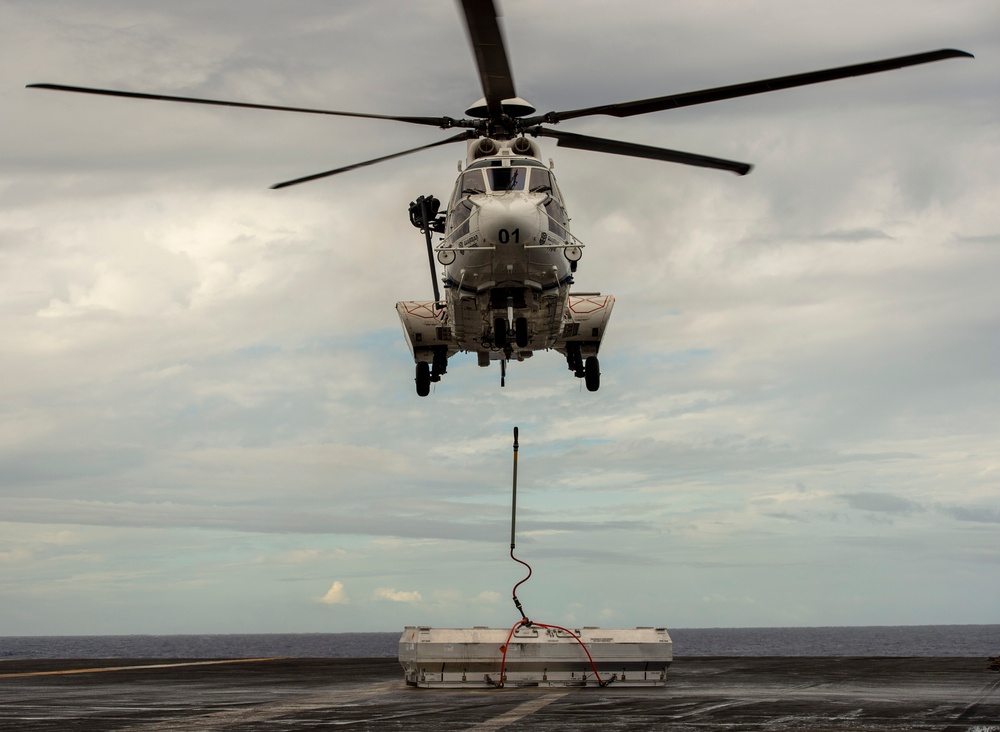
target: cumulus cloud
335 595
388 593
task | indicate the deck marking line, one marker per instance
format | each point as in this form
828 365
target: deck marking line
519 712
991 686
102 669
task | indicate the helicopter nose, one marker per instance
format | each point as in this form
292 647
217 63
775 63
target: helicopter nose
507 222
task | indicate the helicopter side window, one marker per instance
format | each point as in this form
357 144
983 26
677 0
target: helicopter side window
460 216
507 179
557 217
541 181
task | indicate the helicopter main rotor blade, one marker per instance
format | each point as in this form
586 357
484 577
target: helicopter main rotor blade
482 20
704 96
631 149
469 135
443 122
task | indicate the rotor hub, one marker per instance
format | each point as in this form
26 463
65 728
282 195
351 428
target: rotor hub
513 107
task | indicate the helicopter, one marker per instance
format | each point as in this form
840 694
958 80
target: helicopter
508 257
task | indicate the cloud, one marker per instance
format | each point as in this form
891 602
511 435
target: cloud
387 593
783 516
881 503
974 514
14 556
853 235
335 595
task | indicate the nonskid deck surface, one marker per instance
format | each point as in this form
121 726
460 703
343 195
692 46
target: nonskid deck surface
705 693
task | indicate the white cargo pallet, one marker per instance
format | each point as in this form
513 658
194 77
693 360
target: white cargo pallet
470 658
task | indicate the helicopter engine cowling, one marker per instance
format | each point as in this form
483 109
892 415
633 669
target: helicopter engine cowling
484 148
523 146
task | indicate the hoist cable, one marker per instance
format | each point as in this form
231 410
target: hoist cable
517 603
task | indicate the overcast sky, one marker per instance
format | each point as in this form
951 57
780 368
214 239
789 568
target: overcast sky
207 414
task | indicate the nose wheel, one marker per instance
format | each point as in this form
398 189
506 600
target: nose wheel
521 332
500 332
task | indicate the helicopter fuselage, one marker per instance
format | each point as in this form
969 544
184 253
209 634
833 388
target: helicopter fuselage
504 252
508 258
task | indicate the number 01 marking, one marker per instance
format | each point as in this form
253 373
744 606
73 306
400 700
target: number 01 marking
505 236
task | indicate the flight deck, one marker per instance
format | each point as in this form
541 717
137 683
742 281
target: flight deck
701 693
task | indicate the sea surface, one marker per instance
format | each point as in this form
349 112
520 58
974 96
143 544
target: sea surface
896 641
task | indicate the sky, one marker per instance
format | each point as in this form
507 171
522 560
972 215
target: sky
208 421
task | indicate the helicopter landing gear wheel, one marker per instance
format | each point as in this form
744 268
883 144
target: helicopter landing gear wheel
592 373
521 332
500 332
423 379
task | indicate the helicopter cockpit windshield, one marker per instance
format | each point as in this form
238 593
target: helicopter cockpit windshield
472 183
504 180
507 179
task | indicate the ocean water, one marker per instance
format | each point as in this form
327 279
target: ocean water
894 641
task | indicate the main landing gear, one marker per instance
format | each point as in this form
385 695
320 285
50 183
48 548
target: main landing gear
588 369
431 373
423 378
592 373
